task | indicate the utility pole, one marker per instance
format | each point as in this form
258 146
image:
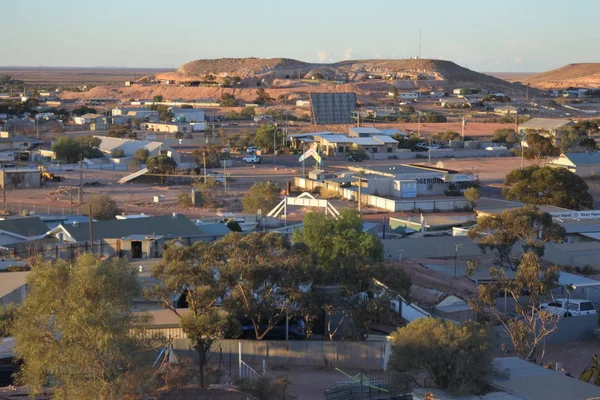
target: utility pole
91 230
71 194
3 186
204 162
429 151
274 144
360 175
463 128
81 182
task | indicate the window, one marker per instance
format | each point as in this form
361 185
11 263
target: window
587 306
341 149
374 149
389 149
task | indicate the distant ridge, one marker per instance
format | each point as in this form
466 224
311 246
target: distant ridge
585 75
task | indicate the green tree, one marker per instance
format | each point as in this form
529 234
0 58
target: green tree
141 155
447 136
67 149
527 225
161 164
505 136
395 93
567 140
545 185
528 329
192 271
8 314
229 100
157 99
79 111
73 151
206 192
164 113
266 136
456 357
208 153
262 196
473 195
247 113
264 274
539 147
588 144
120 131
117 153
103 206
262 97
334 243
74 330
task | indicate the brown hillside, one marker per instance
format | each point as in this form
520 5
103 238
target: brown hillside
572 75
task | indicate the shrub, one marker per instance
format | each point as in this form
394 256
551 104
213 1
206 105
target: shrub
266 387
184 199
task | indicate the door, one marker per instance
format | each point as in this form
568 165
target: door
136 249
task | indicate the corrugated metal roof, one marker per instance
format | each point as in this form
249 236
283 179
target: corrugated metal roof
366 141
166 225
591 158
533 382
368 131
337 139
545 123
28 227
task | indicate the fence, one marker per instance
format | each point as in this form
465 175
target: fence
74 167
369 355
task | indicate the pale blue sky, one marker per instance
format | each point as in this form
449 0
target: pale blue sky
504 35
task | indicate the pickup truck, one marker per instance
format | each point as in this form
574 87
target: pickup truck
254 159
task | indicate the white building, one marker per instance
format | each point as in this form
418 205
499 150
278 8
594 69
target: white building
188 114
86 119
408 95
130 146
174 127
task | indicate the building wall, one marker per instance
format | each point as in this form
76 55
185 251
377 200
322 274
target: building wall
17 296
20 180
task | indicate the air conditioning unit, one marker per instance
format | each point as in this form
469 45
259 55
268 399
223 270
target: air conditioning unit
567 240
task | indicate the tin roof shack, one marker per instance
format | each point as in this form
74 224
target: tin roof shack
20 178
455 309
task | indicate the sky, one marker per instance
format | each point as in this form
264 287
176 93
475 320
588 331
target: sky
499 36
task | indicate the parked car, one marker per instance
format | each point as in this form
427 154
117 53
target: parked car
569 307
252 149
253 159
427 146
296 330
354 158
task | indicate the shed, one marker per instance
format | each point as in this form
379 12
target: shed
455 309
20 178
583 164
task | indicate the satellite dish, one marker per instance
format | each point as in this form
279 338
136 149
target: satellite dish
439 164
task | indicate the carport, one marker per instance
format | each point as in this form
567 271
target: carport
580 287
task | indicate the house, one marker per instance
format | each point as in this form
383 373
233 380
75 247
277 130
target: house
174 127
506 110
551 125
408 95
85 118
20 178
13 287
187 114
19 230
134 238
530 381
453 102
9 142
363 132
585 165
436 95
130 146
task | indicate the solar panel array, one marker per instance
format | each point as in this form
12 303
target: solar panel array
332 108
